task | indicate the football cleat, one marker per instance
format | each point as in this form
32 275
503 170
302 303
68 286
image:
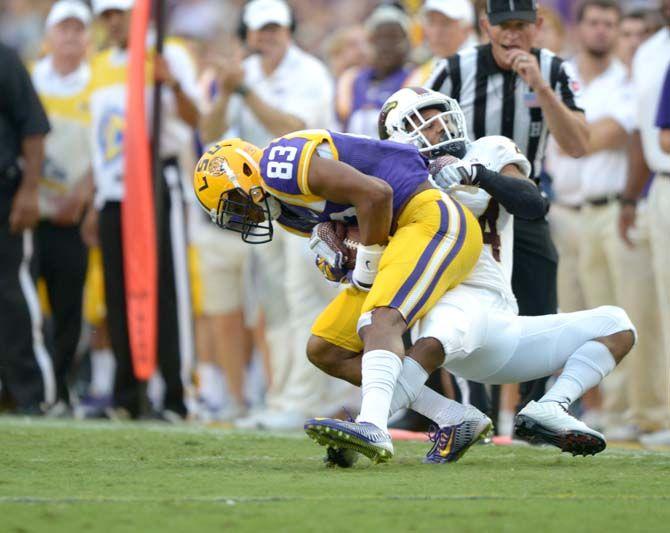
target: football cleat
451 442
361 437
550 423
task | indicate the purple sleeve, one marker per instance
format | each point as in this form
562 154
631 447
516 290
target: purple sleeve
663 117
280 164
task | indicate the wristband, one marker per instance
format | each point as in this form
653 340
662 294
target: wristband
367 265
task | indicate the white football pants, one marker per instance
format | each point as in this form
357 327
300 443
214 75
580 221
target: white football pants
485 341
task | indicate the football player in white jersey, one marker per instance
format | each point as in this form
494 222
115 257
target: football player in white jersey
474 331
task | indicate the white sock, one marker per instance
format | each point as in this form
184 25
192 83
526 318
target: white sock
584 369
103 367
380 370
441 410
411 379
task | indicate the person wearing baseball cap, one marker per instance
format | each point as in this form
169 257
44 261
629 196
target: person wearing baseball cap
361 92
115 16
100 6
61 80
448 26
278 89
68 9
176 70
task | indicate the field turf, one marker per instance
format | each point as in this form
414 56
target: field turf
75 476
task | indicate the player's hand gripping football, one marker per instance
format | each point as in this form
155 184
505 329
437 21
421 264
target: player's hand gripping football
327 244
448 171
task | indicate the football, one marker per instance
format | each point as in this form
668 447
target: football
341 238
351 240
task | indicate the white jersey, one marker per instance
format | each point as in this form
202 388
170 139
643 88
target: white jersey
494 268
109 77
66 159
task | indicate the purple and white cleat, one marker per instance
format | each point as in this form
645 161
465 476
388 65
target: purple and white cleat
361 437
451 442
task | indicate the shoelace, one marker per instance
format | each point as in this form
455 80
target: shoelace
437 435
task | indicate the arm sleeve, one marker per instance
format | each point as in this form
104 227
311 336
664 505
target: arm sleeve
663 116
521 197
25 108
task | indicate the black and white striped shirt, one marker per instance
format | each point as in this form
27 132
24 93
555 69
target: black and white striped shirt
499 102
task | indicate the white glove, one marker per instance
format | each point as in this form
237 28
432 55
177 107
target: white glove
324 244
448 171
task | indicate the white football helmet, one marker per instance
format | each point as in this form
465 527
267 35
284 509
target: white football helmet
401 120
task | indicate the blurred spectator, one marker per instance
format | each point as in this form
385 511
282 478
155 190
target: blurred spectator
62 81
607 272
26 372
362 92
649 67
448 26
275 91
22 25
108 99
347 48
201 18
567 197
634 31
552 31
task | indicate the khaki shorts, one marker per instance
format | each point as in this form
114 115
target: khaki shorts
221 261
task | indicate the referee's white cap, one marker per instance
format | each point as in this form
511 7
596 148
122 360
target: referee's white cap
68 9
461 10
100 6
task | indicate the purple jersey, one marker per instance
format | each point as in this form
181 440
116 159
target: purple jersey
360 98
285 170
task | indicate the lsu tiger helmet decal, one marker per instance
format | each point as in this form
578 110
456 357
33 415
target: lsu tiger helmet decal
227 184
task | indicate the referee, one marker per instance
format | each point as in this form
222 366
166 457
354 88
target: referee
25 366
509 88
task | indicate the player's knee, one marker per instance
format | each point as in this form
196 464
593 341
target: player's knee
429 353
621 335
387 319
318 352
324 355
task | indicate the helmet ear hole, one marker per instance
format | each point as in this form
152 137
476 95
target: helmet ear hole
247 170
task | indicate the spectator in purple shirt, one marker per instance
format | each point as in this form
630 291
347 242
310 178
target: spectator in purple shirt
361 92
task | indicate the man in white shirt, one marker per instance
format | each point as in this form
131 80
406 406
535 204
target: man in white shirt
631 402
272 92
108 120
449 26
649 67
61 80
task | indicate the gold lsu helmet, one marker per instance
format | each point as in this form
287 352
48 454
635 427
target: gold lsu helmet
227 184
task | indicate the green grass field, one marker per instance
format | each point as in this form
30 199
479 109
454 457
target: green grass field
73 476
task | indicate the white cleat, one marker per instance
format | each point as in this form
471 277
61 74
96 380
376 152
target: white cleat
550 423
